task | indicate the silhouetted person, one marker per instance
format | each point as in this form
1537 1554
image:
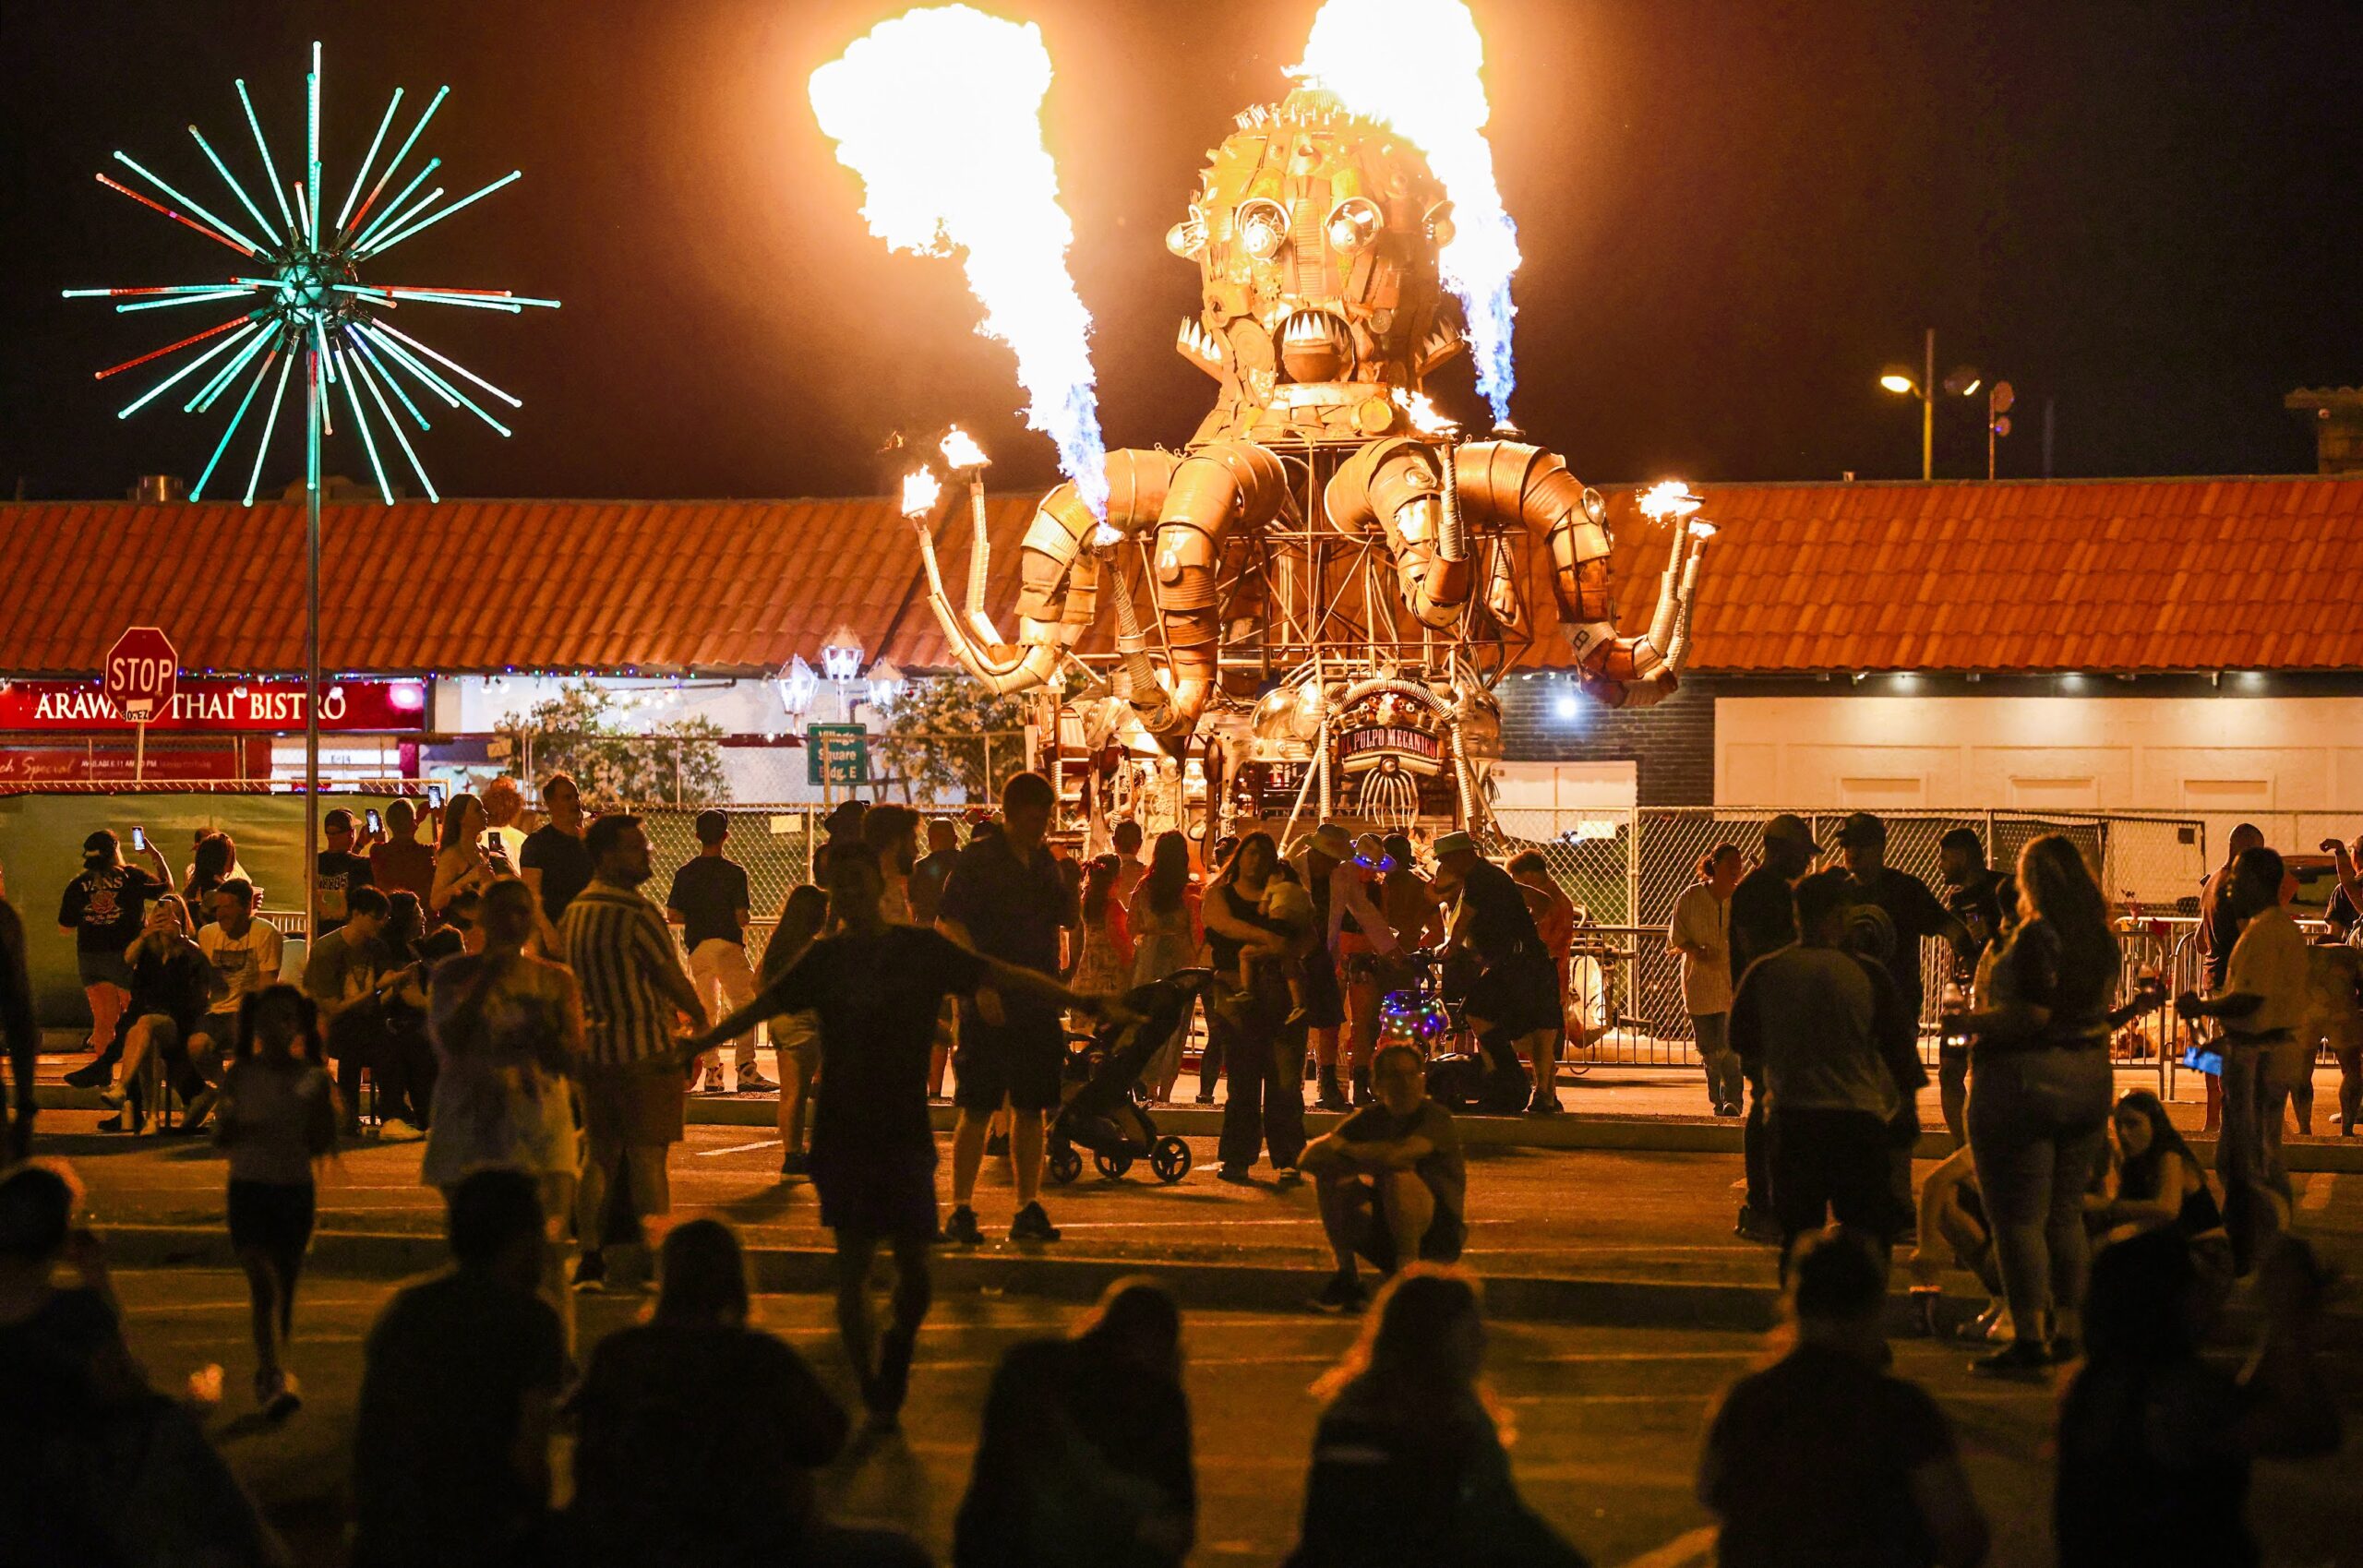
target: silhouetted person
1408 1469
2154 1442
1826 1460
1083 1457
451 1443
694 1398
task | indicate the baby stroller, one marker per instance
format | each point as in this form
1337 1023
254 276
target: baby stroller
1102 1112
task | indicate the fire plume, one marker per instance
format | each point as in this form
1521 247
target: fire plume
1668 498
1417 64
939 109
920 493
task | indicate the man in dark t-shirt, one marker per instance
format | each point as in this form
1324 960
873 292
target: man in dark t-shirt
1513 1006
1764 919
710 900
1985 901
1005 901
1911 908
552 860
1824 1457
877 987
934 869
104 908
338 870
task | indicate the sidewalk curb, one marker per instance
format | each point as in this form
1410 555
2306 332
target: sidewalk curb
1567 1301
1605 1303
1627 1134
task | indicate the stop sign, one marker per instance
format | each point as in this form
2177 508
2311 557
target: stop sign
142 672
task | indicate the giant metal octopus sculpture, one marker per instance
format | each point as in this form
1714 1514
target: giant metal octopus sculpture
1316 235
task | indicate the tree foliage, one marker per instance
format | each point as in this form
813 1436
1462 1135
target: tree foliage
676 761
935 738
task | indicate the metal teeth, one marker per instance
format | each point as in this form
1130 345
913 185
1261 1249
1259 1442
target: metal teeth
1199 346
1313 328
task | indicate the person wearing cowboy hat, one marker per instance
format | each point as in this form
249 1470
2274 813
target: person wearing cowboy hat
1513 1005
1349 926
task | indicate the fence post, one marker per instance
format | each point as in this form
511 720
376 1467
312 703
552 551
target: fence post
1632 866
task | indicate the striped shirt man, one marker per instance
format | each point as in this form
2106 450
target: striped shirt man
617 943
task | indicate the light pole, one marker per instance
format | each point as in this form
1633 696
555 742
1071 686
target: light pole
1899 378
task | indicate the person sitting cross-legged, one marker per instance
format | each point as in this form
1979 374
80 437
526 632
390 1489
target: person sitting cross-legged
1391 1180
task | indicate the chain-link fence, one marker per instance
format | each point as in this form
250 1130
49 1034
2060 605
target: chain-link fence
1624 869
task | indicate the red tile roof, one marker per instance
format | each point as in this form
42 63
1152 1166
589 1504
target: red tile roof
2100 575
476 586
2130 575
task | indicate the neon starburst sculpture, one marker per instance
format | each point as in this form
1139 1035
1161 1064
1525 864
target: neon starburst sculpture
302 298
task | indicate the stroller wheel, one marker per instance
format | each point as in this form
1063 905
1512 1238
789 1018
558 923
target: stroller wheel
1112 1165
1170 1159
1064 1165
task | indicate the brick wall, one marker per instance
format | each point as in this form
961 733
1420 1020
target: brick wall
1672 743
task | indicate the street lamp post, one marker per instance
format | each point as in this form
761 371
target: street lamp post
1962 382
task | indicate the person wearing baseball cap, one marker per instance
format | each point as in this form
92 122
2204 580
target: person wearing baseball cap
1351 929
1912 912
1512 1006
1763 920
105 908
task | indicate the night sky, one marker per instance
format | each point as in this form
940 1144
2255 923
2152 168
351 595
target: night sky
1733 214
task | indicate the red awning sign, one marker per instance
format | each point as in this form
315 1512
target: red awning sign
367 707
142 671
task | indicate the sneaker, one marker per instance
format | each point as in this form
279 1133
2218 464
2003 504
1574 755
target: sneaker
277 1396
795 1162
112 1094
1032 1224
394 1130
1287 1175
1330 1095
92 1075
1344 1293
1545 1103
115 1123
1362 1096
1205 1097
2019 1359
590 1272
996 1145
1754 1225
754 1082
961 1230
711 1083
199 1109
1237 1175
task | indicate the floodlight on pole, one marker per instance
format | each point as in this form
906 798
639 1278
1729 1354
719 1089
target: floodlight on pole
1964 382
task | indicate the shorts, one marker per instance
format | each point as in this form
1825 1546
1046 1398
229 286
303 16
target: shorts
634 1105
872 1192
1374 1239
796 1037
1517 996
1022 1059
104 968
1325 1003
271 1217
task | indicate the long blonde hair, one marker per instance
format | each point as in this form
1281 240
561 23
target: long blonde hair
2056 884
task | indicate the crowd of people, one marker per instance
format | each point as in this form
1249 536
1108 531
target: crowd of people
517 1001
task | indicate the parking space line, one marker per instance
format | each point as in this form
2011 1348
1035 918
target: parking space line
1689 1547
739 1148
2316 1197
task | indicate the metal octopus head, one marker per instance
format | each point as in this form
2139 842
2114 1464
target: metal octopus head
1315 234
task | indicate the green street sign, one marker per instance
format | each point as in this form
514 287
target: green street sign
837 754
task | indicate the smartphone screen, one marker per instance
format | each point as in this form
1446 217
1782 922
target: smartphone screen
435 795
377 823
139 838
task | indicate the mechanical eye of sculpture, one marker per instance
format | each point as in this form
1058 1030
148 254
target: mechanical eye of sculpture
1320 532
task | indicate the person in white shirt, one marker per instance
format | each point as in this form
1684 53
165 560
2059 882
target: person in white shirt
1701 933
246 951
2260 1005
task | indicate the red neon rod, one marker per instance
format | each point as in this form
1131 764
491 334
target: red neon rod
174 289
176 218
168 348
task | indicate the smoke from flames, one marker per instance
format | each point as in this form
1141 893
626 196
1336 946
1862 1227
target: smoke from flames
1418 66
938 110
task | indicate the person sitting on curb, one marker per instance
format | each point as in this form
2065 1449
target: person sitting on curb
1391 1180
